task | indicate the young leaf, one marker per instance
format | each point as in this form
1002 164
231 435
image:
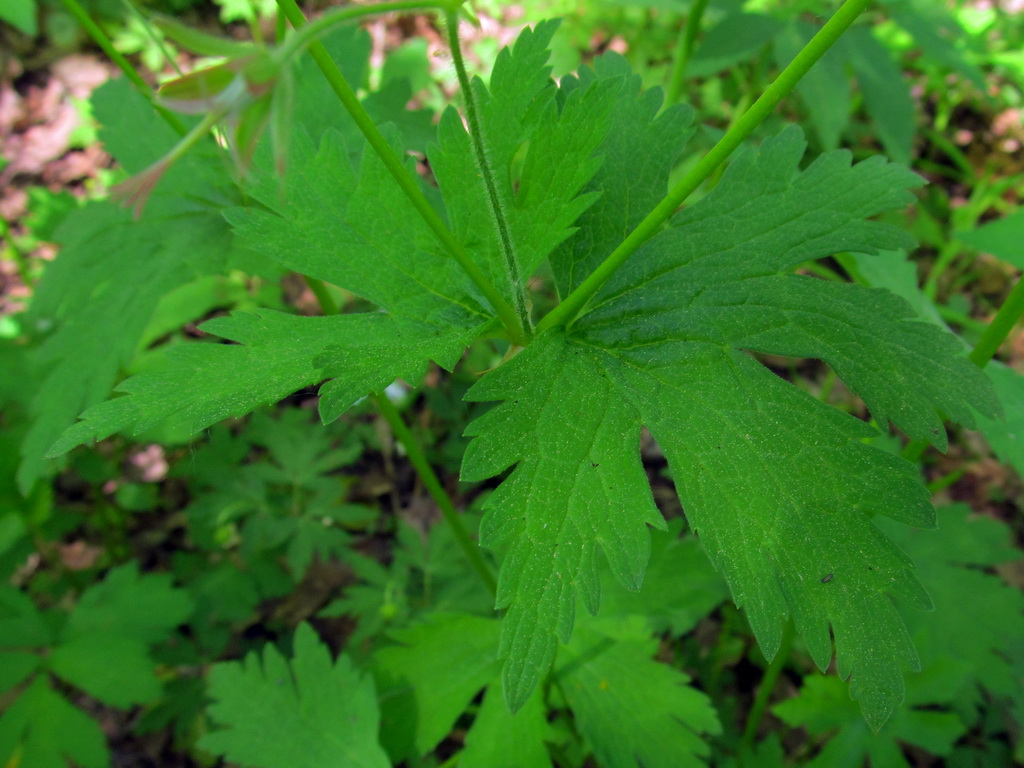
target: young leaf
104 647
41 729
989 624
309 713
778 485
823 707
632 711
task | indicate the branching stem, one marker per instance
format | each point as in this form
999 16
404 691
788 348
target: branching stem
101 39
405 180
483 163
576 301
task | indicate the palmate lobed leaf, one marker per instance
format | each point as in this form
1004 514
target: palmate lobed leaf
779 486
306 713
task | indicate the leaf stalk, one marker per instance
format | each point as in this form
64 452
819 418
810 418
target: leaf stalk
483 163
575 302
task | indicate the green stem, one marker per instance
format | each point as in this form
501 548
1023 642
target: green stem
575 302
764 690
684 49
436 490
405 180
487 175
1000 327
101 39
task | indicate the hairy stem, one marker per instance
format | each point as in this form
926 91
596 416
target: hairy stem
101 39
430 481
405 180
576 301
684 49
497 209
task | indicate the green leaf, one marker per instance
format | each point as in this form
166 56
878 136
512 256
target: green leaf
632 711
20 14
667 602
277 354
430 678
98 321
116 670
40 729
823 707
779 487
939 35
104 647
733 40
1003 238
989 624
638 152
578 484
1006 436
500 739
357 230
95 300
308 713
886 92
21 623
17 666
